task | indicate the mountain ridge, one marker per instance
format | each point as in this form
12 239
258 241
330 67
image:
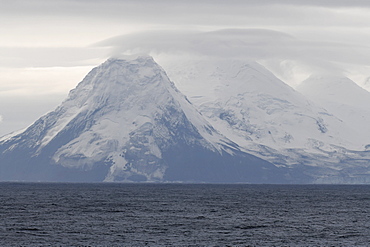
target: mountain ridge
270 119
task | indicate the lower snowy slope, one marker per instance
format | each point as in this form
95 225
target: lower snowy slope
126 121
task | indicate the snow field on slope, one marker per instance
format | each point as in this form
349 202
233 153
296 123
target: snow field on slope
265 110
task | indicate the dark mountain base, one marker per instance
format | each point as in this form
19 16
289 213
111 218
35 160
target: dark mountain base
36 169
189 164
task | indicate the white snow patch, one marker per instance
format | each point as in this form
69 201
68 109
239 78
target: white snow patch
119 165
61 123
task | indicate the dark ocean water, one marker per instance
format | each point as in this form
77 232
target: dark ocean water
46 214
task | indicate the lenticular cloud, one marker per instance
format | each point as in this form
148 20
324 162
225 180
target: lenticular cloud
253 43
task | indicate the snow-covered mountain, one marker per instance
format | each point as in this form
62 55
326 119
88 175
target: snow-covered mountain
343 98
126 121
266 117
249 104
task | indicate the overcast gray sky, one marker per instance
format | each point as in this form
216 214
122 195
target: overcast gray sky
47 47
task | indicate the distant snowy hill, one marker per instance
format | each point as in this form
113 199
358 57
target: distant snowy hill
126 121
345 99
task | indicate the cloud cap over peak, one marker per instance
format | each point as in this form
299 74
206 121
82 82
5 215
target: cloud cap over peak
251 44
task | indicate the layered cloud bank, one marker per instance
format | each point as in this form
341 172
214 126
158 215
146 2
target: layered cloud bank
291 58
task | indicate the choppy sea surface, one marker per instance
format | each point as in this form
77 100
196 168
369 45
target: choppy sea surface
48 214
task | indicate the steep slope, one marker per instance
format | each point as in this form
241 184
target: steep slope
344 98
262 114
366 84
127 122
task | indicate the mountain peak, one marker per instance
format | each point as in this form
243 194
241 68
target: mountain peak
134 57
123 61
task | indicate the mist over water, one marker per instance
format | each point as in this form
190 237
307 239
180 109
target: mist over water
51 214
